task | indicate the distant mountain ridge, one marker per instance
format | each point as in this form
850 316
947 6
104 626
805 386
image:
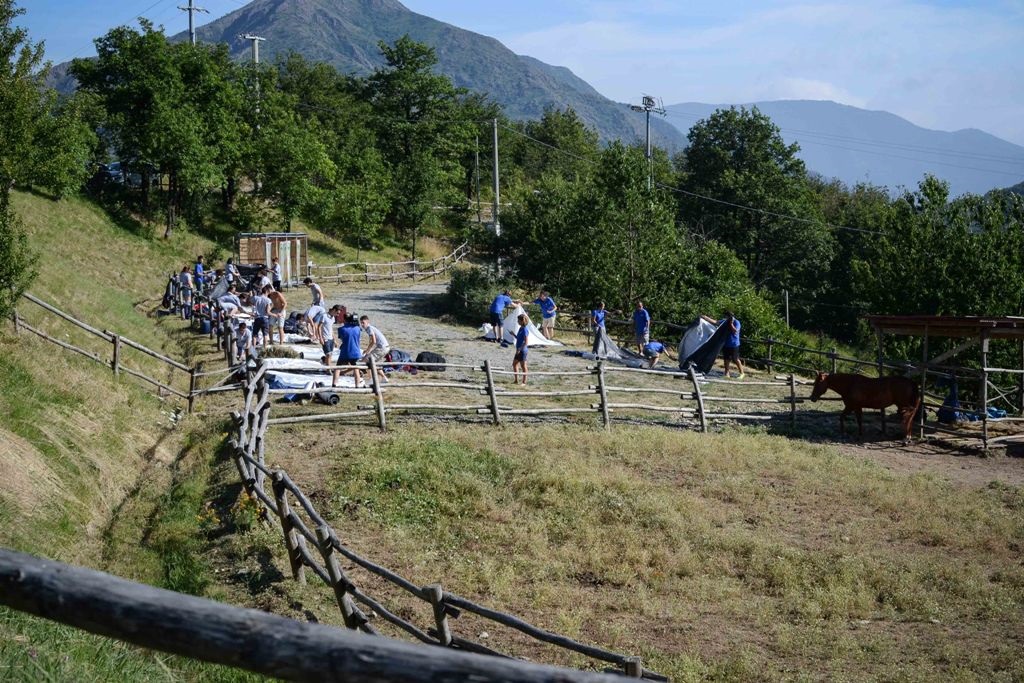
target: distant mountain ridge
345 33
857 145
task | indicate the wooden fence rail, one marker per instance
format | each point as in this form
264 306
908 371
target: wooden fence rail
371 272
248 639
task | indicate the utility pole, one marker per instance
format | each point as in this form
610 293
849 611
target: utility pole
649 105
497 196
192 9
476 178
255 40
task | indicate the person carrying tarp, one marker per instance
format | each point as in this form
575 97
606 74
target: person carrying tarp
497 312
652 352
731 348
548 312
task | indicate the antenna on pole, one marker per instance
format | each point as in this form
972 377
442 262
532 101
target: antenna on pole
650 104
192 9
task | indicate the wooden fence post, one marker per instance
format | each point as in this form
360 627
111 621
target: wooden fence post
881 370
191 389
832 355
435 594
633 667
339 582
770 343
603 391
495 415
392 264
17 322
792 400
924 380
283 511
366 272
115 362
984 390
379 394
700 399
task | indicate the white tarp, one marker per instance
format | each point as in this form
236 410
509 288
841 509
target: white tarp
510 326
287 380
695 337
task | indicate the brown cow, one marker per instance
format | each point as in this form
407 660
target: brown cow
859 392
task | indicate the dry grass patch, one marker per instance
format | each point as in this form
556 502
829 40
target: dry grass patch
714 556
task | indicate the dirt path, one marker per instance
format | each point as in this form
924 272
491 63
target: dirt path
411 319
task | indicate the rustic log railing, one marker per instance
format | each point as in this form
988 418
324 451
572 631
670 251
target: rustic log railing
398 270
116 360
248 639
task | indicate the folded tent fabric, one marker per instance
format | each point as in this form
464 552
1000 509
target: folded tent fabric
703 349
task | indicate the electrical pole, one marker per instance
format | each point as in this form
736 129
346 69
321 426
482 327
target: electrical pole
192 9
255 40
476 178
649 105
497 197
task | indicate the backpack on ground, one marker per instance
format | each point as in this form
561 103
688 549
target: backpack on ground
431 357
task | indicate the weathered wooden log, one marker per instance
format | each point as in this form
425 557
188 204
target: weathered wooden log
249 639
61 314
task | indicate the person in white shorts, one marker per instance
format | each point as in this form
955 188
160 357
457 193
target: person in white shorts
379 346
548 310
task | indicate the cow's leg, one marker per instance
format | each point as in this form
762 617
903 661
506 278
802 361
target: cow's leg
842 420
860 423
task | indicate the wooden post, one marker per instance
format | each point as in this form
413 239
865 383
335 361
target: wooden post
435 594
375 381
339 582
290 542
700 400
984 390
17 326
1020 378
633 667
770 343
832 356
792 401
392 264
881 370
924 377
191 389
366 272
603 391
495 416
115 363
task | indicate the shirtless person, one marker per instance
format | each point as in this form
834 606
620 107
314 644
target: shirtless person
278 313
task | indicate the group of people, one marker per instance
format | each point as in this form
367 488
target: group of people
646 347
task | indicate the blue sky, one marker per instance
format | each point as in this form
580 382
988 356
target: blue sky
941 64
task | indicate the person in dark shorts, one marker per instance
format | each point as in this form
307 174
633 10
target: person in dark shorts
349 349
652 352
731 349
519 360
498 306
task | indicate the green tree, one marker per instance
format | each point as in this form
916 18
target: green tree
424 131
737 158
41 142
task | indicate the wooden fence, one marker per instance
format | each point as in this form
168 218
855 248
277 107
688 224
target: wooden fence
249 639
398 270
120 346
311 543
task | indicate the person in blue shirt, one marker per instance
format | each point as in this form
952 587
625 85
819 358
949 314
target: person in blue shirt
548 313
652 352
519 360
641 326
498 309
349 349
198 271
731 349
597 323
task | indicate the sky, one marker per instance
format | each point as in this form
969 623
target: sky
941 64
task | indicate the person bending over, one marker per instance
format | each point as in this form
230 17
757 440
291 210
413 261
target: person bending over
349 351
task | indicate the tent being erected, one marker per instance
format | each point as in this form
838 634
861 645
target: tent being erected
701 343
604 348
510 326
